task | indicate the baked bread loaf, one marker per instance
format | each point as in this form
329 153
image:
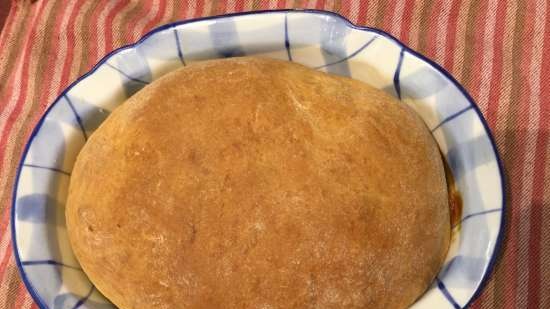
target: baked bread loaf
258 183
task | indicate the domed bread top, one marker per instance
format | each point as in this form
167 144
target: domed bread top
258 183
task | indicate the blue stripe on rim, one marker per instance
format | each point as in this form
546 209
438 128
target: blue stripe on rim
49 262
397 74
500 236
53 169
451 117
287 41
477 214
126 74
441 286
77 117
348 57
82 300
178 45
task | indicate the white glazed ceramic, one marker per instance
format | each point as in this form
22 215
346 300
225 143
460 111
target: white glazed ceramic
321 40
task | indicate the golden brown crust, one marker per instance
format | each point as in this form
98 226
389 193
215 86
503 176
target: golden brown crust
256 183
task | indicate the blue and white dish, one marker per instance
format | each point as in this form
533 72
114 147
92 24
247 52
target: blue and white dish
318 39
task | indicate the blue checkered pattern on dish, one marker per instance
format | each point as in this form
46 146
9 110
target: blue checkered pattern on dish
321 40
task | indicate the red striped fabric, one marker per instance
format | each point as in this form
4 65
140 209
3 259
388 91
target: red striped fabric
4 10
498 49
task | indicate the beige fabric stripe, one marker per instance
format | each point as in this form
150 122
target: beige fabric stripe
415 30
507 58
424 22
330 5
397 18
61 54
85 33
101 26
541 11
372 11
207 8
258 5
120 22
354 12
249 5
176 10
414 27
79 39
272 4
487 56
192 8
468 53
460 39
231 5
166 15
441 35
380 13
336 6
136 31
294 3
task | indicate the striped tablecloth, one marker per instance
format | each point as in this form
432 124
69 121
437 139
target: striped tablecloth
498 49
